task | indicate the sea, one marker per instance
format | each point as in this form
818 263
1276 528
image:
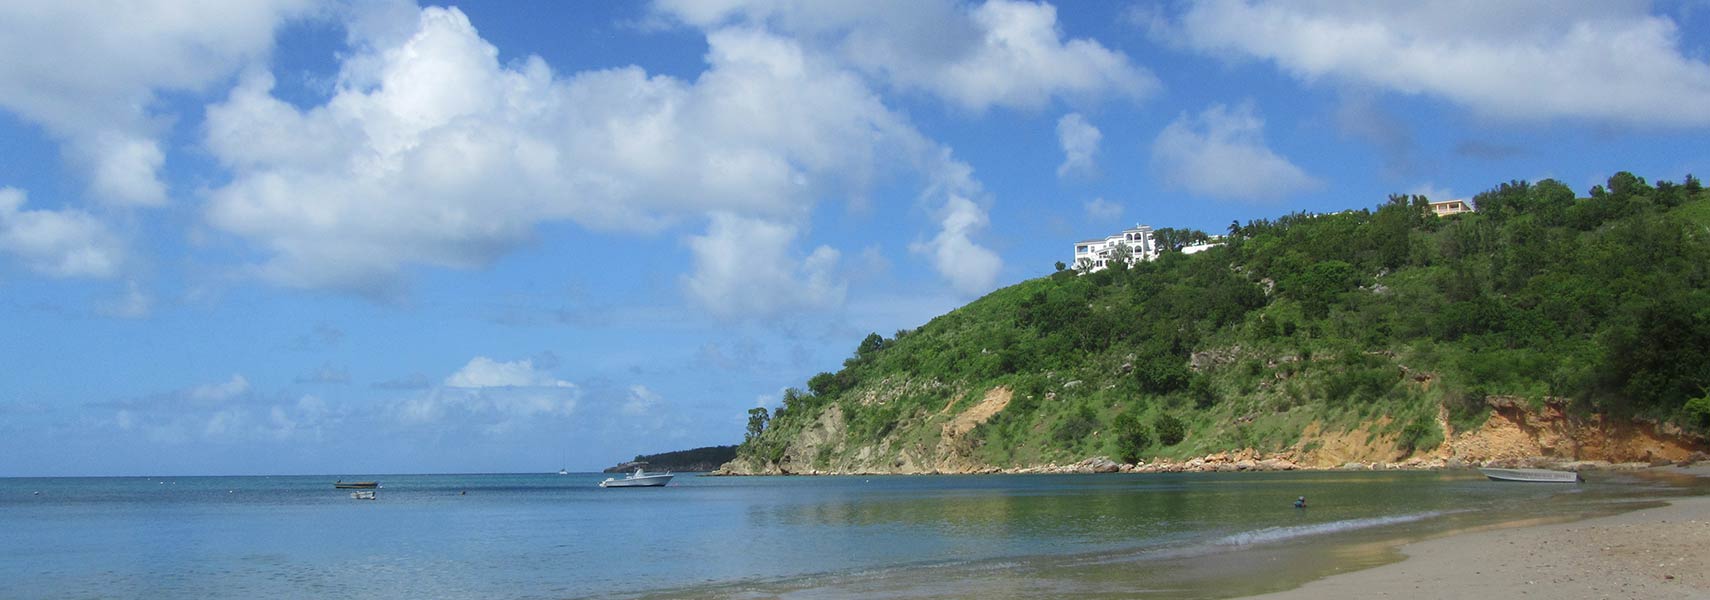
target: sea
551 536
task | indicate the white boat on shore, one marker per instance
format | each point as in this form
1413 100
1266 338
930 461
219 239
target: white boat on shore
1531 475
639 478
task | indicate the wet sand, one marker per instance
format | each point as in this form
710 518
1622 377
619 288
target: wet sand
1659 552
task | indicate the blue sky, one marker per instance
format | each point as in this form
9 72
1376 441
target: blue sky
306 236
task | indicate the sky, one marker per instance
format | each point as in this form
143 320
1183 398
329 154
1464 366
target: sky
326 237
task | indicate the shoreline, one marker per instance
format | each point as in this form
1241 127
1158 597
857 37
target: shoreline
1240 461
1647 553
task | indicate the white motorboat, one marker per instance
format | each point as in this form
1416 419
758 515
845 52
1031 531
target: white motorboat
364 495
639 478
1531 475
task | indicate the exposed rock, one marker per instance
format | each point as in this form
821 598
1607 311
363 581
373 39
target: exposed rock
1214 358
1097 464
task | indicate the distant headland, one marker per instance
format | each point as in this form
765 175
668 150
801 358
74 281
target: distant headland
698 459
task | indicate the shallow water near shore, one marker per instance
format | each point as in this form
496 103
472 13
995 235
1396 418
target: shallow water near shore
550 536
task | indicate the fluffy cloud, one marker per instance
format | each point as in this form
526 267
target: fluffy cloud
59 243
1099 209
133 303
744 267
220 392
1080 142
88 72
230 411
495 397
1432 192
970 267
483 372
432 152
640 401
1221 153
997 53
1525 60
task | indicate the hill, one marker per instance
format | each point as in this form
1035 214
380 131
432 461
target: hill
698 459
1363 335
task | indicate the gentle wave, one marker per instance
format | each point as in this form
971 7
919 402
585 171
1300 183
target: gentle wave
1279 534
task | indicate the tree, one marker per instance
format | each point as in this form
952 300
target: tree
1061 266
1160 372
1171 430
1120 256
1132 438
757 420
870 345
827 384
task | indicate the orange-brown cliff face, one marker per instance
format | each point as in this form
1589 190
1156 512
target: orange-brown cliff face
1515 431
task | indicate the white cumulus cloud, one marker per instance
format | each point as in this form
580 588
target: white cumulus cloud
1080 143
745 267
1521 60
1433 193
432 152
220 392
88 72
996 53
58 243
1099 209
1221 153
133 303
492 396
483 372
640 401
970 267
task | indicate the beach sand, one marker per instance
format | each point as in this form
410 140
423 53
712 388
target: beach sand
1652 553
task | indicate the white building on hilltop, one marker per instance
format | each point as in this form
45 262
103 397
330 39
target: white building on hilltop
1095 255
1451 207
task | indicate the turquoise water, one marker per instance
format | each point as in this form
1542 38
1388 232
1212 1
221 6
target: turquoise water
552 536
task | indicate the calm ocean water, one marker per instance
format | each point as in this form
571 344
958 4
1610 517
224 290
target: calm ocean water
552 536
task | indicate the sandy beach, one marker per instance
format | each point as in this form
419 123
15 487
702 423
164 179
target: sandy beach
1660 552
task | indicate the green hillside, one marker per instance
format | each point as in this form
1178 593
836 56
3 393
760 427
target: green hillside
1306 323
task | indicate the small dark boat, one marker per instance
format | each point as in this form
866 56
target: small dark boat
355 485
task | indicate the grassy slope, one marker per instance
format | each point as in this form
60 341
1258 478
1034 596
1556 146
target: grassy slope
1361 319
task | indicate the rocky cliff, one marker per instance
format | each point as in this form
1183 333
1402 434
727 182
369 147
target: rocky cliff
1514 432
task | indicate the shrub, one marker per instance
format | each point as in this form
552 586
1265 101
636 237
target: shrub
1132 438
1698 412
1420 434
1171 430
1076 426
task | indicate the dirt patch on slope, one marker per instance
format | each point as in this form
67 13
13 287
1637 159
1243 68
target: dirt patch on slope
953 443
1326 449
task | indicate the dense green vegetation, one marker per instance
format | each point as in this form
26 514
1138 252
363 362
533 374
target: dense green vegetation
1374 317
698 459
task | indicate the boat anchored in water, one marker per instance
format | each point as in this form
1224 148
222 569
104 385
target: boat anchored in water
1531 475
356 485
639 478
364 495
